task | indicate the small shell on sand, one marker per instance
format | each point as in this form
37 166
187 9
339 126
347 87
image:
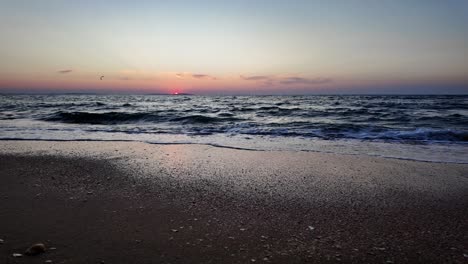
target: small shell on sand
35 249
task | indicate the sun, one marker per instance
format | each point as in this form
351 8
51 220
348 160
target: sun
175 89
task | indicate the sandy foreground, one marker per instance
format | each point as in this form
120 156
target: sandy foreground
130 202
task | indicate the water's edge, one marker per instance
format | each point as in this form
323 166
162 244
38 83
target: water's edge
246 149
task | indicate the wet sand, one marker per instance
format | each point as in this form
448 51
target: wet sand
122 202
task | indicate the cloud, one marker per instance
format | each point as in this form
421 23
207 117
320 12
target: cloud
182 75
300 80
255 78
292 80
203 76
64 71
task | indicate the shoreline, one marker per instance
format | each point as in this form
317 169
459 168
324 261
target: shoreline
124 201
442 145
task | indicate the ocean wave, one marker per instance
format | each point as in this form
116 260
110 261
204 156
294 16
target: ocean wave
112 118
411 119
196 119
424 134
355 131
99 118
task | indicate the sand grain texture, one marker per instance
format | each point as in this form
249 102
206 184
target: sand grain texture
123 202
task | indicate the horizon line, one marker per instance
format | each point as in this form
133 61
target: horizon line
240 94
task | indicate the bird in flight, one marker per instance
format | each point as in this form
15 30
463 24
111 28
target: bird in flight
101 77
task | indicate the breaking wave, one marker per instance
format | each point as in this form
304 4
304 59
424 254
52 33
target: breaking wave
402 119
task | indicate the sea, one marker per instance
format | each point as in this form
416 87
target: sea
415 127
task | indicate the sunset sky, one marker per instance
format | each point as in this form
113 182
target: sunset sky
234 47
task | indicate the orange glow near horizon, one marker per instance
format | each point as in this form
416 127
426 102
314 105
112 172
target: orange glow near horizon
196 83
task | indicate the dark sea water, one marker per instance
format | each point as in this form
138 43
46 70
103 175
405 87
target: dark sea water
432 128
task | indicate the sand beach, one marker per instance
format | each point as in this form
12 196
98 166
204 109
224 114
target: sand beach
130 202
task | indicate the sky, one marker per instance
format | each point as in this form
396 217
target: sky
235 47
